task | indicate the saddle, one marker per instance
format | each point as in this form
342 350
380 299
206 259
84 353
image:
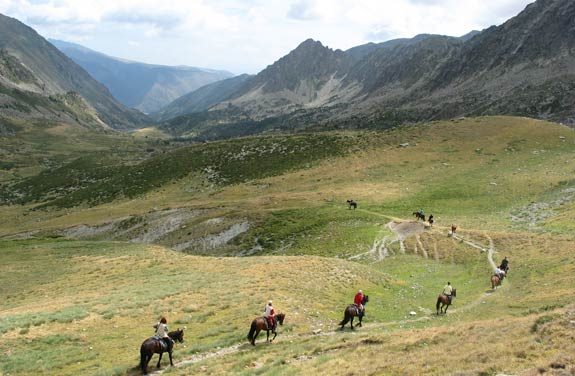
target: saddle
270 323
164 342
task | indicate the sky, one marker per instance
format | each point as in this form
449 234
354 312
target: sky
244 36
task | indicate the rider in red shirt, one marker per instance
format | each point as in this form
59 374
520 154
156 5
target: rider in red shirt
358 299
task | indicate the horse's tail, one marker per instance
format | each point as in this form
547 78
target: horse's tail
143 358
438 303
253 329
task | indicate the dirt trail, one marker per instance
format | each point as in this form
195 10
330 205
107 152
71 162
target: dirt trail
402 231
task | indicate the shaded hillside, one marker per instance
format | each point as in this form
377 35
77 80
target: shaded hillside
143 86
523 67
33 68
202 99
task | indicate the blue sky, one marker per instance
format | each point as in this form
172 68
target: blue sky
244 36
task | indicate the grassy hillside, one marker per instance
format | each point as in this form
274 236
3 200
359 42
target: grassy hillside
81 286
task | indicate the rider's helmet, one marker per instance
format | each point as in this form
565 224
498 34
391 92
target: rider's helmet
360 292
270 302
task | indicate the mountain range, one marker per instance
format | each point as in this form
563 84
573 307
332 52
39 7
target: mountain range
145 87
523 67
38 82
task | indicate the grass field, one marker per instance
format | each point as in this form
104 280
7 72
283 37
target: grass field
84 305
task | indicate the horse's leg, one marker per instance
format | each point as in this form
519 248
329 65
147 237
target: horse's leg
159 360
351 323
145 365
255 336
170 354
267 335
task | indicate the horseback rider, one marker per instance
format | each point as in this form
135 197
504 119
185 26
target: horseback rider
358 301
447 291
421 212
270 315
504 265
500 273
162 332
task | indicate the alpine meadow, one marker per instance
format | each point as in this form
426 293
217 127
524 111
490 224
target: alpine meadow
389 168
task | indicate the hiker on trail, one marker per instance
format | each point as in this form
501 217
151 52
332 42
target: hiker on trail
162 331
447 290
270 315
430 220
357 301
504 265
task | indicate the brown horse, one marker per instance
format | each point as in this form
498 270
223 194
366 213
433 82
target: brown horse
352 311
260 323
495 281
154 345
444 302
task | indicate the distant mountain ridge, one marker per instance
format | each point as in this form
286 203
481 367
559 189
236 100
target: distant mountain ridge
525 66
146 87
37 81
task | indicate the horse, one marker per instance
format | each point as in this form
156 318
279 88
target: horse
154 345
260 323
352 311
495 281
352 204
453 228
444 302
419 216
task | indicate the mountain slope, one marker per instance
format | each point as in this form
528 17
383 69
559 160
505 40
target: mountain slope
281 201
143 86
202 98
36 67
524 67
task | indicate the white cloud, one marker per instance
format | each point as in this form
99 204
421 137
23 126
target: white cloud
246 35
303 10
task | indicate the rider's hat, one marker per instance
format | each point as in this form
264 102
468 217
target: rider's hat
270 302
361 292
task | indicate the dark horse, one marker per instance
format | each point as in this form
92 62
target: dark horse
419 216
444 302
352 311
352 204
154 345
260 323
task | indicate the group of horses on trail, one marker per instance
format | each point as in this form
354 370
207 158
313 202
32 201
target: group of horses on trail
155 345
